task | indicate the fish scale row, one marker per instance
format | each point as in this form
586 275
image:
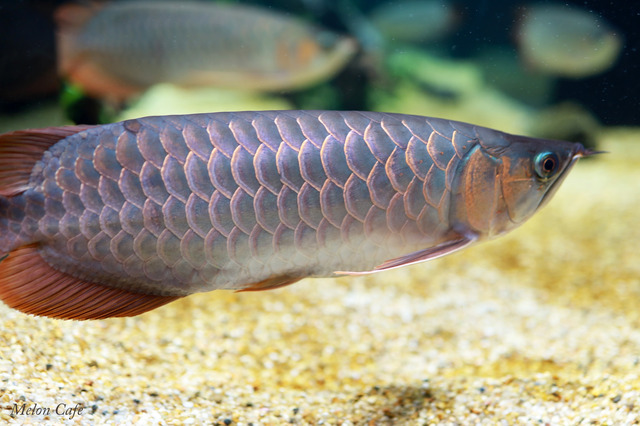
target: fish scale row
257 192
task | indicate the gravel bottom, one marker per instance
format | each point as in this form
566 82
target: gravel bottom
541 326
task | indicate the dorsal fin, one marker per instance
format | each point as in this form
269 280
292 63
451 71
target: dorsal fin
77 61
30 285
20 150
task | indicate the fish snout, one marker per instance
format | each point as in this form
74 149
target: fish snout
582 152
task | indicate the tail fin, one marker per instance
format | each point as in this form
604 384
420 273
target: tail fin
27 282
70 18
77 64
22 149
19 152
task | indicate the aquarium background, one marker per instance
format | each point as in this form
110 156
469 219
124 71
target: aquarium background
539 327
480 31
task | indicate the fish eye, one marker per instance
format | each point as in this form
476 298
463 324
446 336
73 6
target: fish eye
546 164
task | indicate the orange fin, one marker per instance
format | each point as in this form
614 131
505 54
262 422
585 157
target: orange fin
272 282
22 149
30 285
417 256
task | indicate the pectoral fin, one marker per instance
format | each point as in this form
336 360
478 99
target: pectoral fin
418 256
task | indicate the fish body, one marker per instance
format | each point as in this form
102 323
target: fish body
151 209
124 47
566 41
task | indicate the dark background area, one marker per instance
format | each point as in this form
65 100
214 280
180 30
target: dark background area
26 43
614 96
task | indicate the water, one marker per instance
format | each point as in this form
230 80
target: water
480 33
538 327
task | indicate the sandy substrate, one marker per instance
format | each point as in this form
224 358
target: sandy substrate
539 327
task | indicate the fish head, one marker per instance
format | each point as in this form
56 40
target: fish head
532 171
504 184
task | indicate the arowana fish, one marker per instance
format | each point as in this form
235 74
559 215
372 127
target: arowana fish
566 41
118 219
121 48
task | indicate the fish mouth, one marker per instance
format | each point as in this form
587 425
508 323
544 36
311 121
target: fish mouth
580 152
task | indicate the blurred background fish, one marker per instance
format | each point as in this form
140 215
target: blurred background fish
455 58
119 49
415 21
566 41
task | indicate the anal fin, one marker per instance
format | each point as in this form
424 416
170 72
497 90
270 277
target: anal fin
30 285
272 283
